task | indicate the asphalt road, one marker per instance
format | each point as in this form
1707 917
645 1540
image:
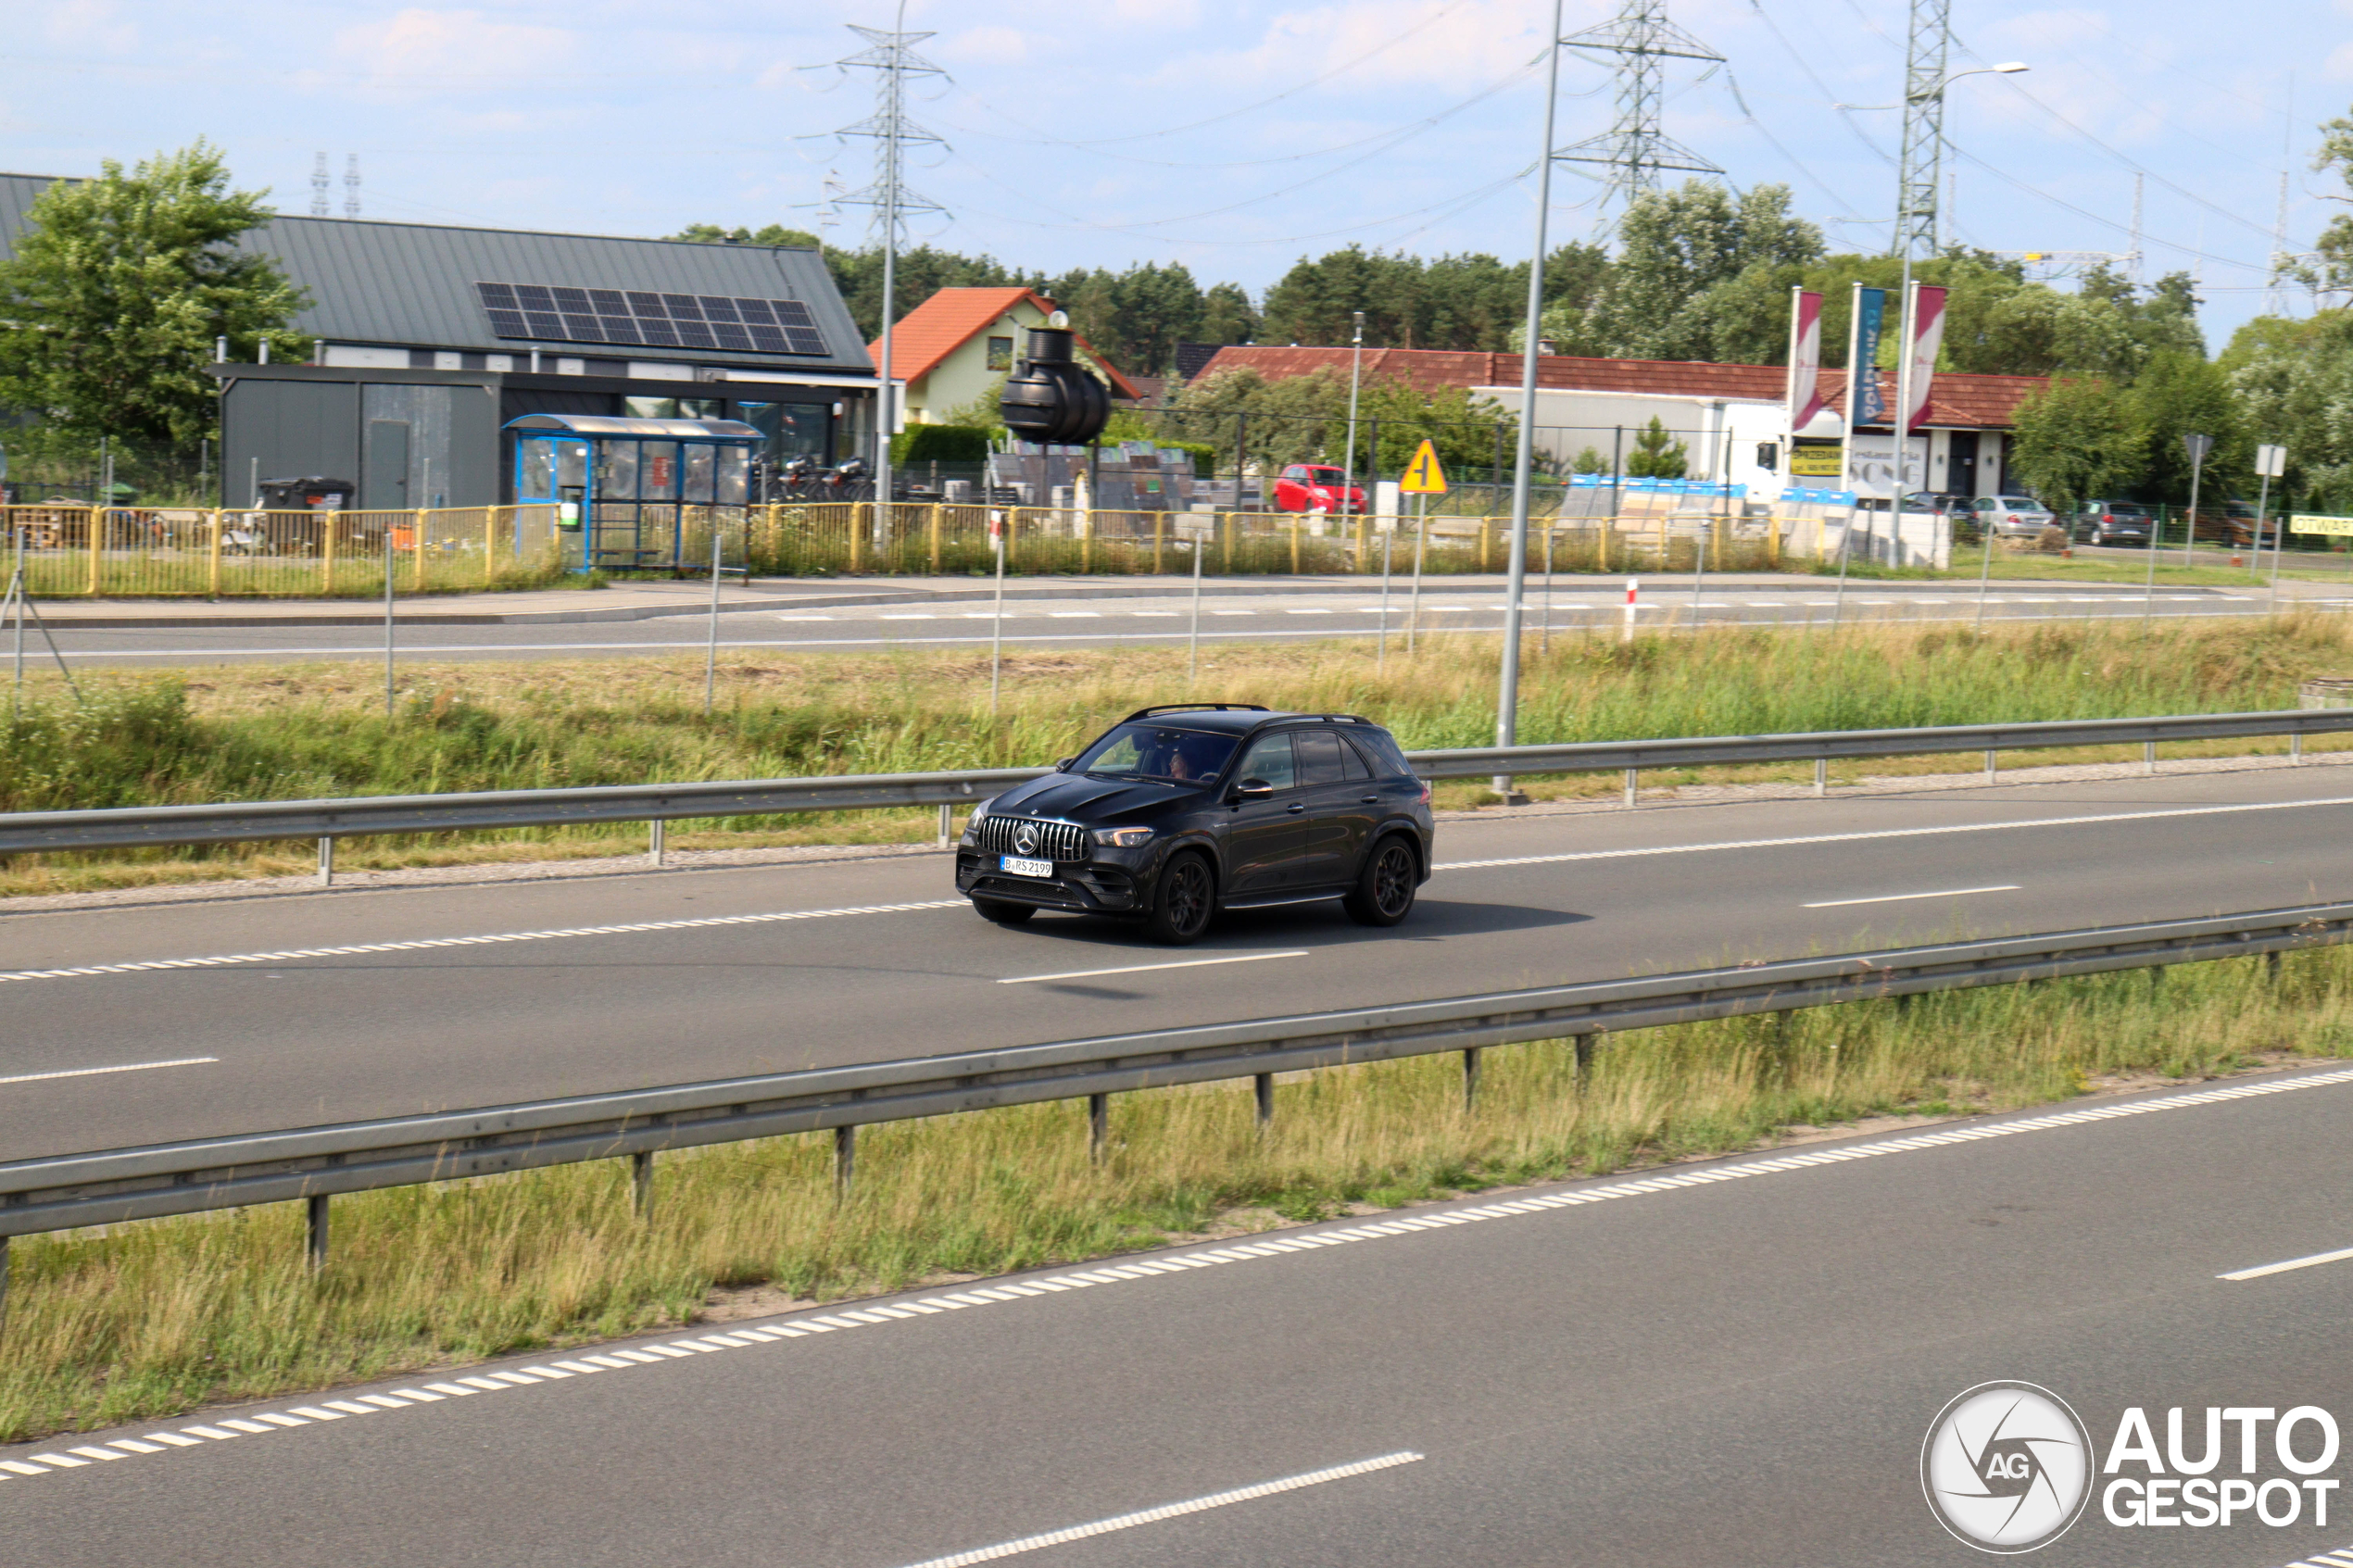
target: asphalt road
877 960
1161 613
1735 1366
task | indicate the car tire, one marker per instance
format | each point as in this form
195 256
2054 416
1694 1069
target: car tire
1384 894
1004 914
1183 900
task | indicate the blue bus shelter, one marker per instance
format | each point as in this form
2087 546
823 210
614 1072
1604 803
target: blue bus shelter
635 495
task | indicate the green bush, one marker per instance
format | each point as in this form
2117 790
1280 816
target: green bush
940 443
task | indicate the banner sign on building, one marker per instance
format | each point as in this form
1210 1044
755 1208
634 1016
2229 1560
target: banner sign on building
1927 337
1864 403
1804 358
2307 522
1816 459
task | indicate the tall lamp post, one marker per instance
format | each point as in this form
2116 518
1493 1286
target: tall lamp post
1355 379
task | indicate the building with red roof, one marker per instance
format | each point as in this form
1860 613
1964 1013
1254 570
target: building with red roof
950 349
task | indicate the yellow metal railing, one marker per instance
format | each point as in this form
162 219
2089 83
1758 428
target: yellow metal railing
195 552
164 551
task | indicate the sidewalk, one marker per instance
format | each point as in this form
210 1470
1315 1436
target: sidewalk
648 601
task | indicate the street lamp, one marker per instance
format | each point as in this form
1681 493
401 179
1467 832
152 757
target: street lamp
1355 377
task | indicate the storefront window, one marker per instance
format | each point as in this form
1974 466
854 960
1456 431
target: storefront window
616 470
794 430
734 473
702 407
658 471
698 466
651 407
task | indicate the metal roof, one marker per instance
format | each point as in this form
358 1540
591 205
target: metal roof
413 284
616 424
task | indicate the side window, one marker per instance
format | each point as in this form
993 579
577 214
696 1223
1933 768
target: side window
1319 757
1269 758
1352 766
1388 762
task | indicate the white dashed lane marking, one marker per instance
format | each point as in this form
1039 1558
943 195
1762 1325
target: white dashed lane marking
101 1071
1406 1222
1169 1511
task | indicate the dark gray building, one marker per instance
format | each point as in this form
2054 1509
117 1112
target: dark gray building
428 340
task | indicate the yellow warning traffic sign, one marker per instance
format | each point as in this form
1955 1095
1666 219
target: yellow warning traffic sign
1423 476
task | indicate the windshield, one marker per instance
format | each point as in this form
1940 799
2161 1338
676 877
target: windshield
1156 751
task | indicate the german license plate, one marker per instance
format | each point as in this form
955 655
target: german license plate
1015 865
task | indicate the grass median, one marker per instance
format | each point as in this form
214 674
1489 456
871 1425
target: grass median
154 1318
249 733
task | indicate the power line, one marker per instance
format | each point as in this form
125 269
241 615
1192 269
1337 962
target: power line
1636 149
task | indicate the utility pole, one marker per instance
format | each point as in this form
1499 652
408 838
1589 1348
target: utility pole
1507 695
891 56
1635 149
1355 379
1917 177
351 185
319 185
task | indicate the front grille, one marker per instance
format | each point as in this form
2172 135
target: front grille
1056 841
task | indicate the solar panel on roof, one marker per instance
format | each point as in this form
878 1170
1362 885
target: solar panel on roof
660 320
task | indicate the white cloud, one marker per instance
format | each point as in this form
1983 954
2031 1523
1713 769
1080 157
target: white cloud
421 50
86 24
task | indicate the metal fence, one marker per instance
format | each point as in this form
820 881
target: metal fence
190 552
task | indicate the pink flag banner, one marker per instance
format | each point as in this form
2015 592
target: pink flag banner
1927 337
1804 358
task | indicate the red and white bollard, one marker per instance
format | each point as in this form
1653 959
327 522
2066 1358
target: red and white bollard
1633 596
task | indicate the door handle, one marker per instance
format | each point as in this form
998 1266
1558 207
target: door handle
1369 800
1297 806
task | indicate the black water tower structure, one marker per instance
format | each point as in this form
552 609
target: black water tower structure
1052 397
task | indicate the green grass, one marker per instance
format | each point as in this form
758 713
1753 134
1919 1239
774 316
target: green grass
262 732
149 1320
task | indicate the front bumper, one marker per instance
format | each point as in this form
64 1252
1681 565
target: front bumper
1097 886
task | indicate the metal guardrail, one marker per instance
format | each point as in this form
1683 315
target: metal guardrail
314 1163
147 826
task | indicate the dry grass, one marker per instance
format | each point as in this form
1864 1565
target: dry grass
285 733
157 1318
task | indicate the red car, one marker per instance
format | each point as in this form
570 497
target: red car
1311 488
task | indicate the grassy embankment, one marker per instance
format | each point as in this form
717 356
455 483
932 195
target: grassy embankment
241 733
158 1318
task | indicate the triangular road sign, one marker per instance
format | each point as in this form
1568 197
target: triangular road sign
1423 476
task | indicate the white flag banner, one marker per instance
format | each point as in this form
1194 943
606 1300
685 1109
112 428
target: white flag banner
1804 358
1927 337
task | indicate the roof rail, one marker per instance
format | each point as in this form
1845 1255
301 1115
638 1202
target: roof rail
1196 707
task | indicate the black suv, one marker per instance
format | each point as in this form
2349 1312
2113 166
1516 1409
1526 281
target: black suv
1179 811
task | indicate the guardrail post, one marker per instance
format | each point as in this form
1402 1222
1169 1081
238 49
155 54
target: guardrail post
1098 1126
1264 1085
2148 757
1470 1076
845 1160
641 1183
4 1281
1991 767
1584 1061
1821 777
1631 776
315 1247
2296 749
947 823
658 836
326 862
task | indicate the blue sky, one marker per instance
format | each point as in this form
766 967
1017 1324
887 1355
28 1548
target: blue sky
1233 137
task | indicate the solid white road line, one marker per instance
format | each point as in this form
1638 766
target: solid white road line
430 944
1899 897
1886 832
100 1072
1169 1511
2317 1257
1143 968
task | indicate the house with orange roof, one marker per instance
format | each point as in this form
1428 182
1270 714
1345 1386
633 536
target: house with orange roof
953 348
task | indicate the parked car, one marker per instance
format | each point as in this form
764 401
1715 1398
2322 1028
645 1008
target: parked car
1179 811
1311 488
2115 522
2010 517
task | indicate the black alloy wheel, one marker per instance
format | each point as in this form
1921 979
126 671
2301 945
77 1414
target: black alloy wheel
1004 914
1183 902
1384 894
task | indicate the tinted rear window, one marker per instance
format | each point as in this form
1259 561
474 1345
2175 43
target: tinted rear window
1380 749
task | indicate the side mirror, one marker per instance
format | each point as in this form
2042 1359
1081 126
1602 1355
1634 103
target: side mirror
1062 764
1250 790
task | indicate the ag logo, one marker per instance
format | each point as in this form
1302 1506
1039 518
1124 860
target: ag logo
2007 1467
1026 840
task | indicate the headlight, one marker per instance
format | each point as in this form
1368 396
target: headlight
1123 838
980 810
